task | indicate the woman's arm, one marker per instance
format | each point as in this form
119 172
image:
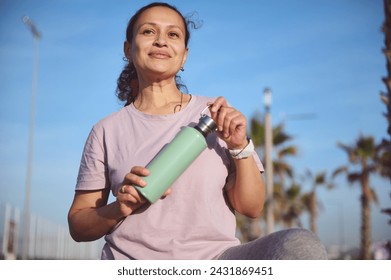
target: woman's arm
90 217
247 194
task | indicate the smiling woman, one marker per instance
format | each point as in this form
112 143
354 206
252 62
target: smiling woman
195 217
128 86
157 48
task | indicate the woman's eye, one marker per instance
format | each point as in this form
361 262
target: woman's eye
147 31
173 35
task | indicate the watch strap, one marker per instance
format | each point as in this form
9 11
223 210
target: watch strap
243 153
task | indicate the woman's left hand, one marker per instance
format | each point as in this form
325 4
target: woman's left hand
231 124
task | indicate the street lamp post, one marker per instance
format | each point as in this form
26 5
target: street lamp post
26 220
268 161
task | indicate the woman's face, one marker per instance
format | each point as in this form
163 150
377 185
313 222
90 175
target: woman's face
158 44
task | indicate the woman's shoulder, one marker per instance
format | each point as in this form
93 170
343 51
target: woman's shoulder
112 119
203 98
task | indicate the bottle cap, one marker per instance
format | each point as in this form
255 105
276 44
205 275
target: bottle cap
206 124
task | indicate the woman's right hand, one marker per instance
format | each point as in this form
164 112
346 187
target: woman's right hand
128 198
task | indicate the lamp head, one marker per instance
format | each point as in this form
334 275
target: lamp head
267 95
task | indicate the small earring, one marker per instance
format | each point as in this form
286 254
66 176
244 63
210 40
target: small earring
182 69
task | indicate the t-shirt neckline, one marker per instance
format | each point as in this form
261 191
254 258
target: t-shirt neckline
131 108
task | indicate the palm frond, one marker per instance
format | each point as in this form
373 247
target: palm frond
257 131
287 151
349 151
374 197
320 178
280 136
340 170
282 168
354 177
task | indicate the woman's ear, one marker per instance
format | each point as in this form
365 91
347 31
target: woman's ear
185 57
127 53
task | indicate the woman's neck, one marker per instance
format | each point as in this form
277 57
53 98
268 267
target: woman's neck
160 99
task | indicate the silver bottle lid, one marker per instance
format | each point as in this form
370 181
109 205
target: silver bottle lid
206 124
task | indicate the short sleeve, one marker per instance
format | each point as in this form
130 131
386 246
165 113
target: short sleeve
93 172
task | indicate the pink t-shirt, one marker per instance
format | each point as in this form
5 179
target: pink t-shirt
195 221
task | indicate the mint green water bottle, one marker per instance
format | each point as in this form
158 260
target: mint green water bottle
175 158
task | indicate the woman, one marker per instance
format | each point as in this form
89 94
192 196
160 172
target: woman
195 217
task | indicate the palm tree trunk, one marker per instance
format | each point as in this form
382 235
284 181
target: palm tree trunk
366 220
313 212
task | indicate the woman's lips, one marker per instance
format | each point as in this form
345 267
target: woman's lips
159 55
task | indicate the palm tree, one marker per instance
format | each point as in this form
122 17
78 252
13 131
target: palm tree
386 96
310 199
364 154
282 150
385 158
282 169
293 206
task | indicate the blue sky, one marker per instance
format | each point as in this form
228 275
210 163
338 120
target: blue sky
319 57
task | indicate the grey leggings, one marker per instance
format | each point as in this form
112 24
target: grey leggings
291 244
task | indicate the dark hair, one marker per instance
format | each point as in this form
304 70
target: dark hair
127 83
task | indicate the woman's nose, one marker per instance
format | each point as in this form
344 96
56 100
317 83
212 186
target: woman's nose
160 40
